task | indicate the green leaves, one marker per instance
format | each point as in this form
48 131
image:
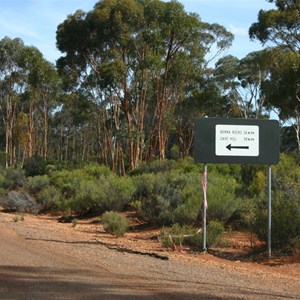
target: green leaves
280 27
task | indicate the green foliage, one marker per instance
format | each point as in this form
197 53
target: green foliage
119 193
188 212
295 244
37 183
285 205
155 167
50 198
35 166
159 198
114 223
215 230
92 187
75 222
285 219
5 184
175 195
189 186
221 198
97 171
174 235
258 184
11 178
187 235
18 218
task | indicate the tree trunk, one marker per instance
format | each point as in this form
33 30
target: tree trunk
46 130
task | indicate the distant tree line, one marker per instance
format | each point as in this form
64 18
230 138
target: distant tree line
133 77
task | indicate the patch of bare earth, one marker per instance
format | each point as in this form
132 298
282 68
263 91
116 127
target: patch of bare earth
238 271
241 248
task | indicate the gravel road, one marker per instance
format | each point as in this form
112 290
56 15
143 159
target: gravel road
43 259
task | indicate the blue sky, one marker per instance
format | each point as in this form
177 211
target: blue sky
36 21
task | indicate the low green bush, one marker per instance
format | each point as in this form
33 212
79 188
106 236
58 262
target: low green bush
215 231
114 223
295 244
49 198
93 187
285 206
12 178
187 235
175 235
159 207
34 166
221 198
155 167
37 183
119 193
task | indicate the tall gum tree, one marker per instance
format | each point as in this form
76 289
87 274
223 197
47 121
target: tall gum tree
280 29
129 55
11 86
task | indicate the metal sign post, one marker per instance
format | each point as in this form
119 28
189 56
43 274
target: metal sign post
269 210
204 185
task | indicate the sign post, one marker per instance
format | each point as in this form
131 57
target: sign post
269 211
204 185
237 141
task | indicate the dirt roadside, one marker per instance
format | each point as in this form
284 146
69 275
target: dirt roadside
41 258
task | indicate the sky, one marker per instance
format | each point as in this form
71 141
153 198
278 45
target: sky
36 21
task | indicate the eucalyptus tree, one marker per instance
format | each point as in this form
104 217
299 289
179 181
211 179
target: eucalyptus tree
242 81
136 59
280 29
39 98
12 84
282 87
280 26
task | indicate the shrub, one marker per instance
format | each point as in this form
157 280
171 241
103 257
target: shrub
119 192
190 190
175 235
285 219
4 183
88 195
18 218
97 171
114 223
12 178
295 244
221 198
49 198
215 231
285 206
155 167
37 183
187 235
159 207
258 184
35 166
93 187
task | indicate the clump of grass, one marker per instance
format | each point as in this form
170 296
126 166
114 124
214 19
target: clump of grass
18 218
179 235
75 222
114 223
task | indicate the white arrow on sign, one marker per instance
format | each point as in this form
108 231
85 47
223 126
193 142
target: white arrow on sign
237 140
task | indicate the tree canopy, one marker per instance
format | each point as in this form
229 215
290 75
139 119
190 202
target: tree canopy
133 77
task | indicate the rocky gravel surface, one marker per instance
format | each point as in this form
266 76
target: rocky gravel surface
41 258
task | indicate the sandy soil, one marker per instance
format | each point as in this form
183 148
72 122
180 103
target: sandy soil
41 258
